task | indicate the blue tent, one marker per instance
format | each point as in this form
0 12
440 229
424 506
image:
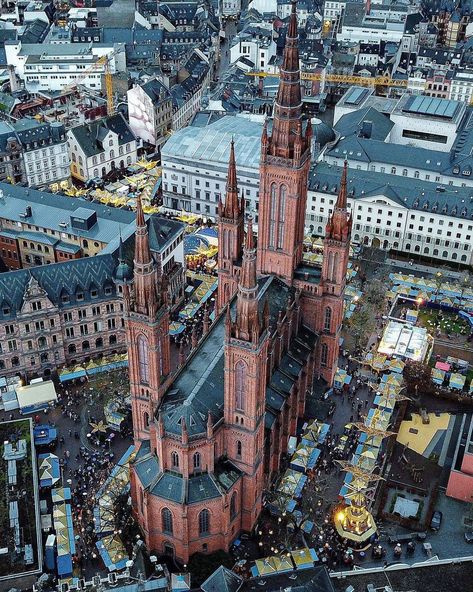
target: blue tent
44 435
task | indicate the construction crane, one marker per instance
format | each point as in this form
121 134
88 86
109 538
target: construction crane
339 78
102 61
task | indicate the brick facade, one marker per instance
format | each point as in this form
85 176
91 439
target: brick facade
214 433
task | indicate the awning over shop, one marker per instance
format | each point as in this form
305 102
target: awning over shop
457 381
36 396
112 552
49 470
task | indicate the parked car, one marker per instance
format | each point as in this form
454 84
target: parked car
469 537
436 520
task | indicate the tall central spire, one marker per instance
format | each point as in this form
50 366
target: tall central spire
288 105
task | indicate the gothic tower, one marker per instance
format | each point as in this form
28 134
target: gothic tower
284 169
333 280
147 332
230 233
246 352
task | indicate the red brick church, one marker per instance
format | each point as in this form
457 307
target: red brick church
210 437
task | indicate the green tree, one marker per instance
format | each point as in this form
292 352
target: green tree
361 325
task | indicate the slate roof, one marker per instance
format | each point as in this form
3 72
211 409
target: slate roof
147 468
198 389
222 580
410 193
314 579
50 210
351 123
90 135
59 279
156 90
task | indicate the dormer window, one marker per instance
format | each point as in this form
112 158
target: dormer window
80 296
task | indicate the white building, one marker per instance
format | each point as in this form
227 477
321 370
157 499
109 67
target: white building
382 23
45 153
461 86
51 67
99 147
255 44
407 215
230 7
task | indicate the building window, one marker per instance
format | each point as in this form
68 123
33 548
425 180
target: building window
175 460
204 522
238 448
166 518
196 460
324 355
328 319
146 420
241 371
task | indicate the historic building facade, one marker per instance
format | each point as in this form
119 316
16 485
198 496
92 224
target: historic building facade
210 436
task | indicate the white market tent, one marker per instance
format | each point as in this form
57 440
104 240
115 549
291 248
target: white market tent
36 396
405 341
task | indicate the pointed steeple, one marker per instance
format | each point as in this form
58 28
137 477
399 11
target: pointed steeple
142 251
232 206
247 321
145 276
288 105
339 224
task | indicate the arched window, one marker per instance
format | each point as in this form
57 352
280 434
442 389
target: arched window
71 348
282 215
445 254
417 248
240 385
324 354
99 342
175 460
15 361
204 522
454 256
408 247
328 319
85 345
426 250
272 216
166 518
146 419
463 258
43 358
233 505
42 341
436 252
143 358
196 460
238 448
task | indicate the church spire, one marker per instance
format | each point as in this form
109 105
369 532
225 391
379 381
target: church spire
339 224
247 320
145 277
288 105
232 207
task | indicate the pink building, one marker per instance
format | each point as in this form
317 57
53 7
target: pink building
210 437
460 482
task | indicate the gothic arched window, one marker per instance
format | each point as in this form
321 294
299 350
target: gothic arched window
272 216
204 522
146 419
324 354
143 359
282 215
328 319
238 448
175 460
240 385
166 518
